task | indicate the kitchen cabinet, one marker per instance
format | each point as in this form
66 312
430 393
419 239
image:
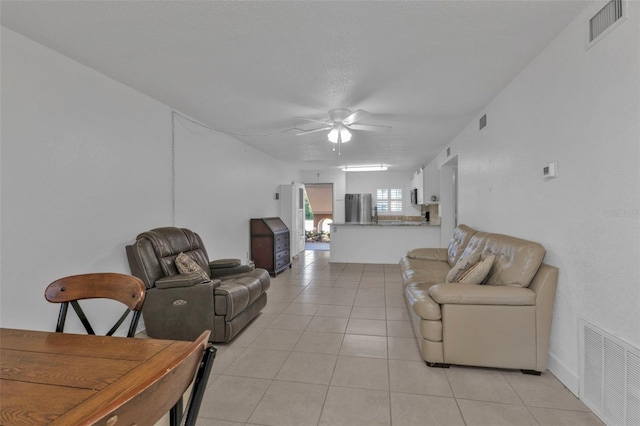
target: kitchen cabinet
431 184
418 183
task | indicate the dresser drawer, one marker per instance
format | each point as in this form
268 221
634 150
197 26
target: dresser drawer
282 245
282 238
281 263
283 254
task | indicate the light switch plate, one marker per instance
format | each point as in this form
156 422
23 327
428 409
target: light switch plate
550 170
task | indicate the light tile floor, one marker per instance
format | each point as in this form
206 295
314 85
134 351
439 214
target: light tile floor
334 346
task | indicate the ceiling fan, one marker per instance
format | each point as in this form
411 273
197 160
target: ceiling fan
340 121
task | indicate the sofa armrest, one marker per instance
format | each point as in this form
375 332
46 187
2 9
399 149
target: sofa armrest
440 254
182 280
474 294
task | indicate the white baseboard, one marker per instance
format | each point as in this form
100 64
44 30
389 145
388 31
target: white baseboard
568 377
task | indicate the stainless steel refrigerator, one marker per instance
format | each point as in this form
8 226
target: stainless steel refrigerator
357 208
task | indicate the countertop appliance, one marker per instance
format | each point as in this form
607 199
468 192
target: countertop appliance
414 196
357 208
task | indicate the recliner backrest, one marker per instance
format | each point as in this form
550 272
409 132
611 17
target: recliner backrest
153 254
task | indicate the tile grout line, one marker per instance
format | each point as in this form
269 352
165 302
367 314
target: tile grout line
388 358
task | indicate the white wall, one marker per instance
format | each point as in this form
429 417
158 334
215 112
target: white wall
88 163
369 182
85 164
582 108
221 183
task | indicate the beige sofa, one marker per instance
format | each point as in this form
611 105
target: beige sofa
503 322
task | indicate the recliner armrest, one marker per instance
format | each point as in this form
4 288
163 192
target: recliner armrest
179 313
474 294
222 272
182 280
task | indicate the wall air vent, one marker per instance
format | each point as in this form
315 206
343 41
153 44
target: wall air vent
603 22
609 376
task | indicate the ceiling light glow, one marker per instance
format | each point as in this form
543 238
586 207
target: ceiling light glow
333 135
339 134
373 168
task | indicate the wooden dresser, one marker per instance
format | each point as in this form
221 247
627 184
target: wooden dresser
270 244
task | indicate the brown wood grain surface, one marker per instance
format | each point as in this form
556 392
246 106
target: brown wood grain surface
67 379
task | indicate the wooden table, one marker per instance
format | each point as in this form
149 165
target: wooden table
71 379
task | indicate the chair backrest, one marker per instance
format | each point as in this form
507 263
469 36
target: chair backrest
153 254
123 288
162 392
205 354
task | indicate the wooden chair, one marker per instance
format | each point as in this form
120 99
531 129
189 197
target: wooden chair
164 392
167 393
123 288
205 353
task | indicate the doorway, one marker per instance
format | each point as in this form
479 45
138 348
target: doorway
318 215
448 200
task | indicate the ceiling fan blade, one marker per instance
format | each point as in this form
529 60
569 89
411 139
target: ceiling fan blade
356 116
314 130
369 127
327 123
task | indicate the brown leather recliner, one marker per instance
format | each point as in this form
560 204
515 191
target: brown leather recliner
181 306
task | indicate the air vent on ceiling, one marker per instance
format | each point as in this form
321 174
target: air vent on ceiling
602 22
483 121
609 376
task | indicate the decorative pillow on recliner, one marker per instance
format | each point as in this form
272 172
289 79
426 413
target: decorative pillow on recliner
478 272
462 266
187 265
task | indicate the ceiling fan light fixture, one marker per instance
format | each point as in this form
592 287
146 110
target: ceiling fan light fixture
339 133
345 135
373 168
333 135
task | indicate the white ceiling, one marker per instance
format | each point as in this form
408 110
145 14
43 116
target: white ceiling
426 68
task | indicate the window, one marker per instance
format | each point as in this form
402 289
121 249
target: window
389 200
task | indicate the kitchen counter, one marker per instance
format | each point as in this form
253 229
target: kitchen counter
388 223
383 242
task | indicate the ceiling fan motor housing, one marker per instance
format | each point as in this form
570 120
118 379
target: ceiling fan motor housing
339 114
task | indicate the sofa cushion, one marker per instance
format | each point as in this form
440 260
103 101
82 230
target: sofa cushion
517 260
459 240
470 294
462 266
423 271
478 272
234 295
187 265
